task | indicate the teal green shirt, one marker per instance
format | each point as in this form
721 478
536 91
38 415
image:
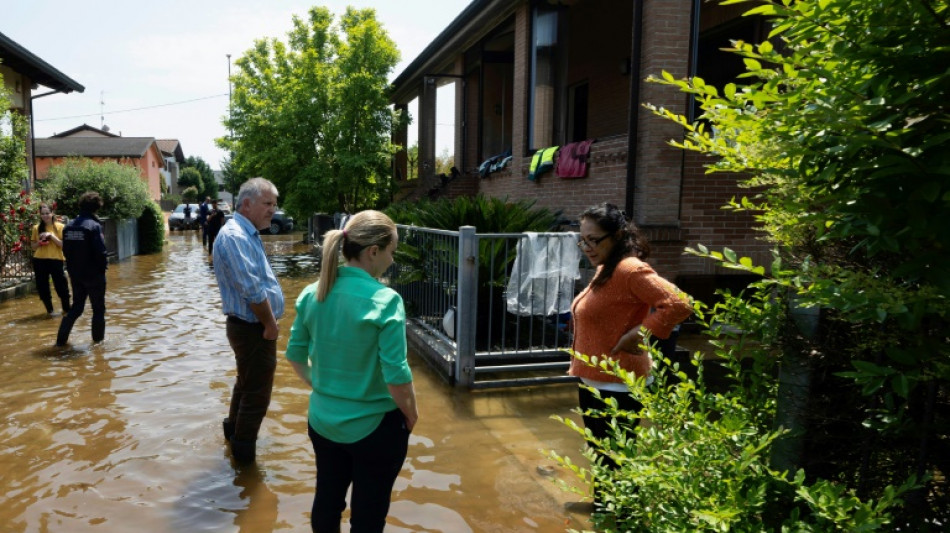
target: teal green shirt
355 342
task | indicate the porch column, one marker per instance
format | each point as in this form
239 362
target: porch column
659 167
401 138
427 112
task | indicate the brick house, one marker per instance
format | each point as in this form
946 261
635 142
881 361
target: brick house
96 144
22 73
532 74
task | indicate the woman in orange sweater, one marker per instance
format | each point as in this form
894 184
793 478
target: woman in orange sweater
613 314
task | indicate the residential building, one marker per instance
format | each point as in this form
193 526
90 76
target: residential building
23 72
174 159
528 75
101 145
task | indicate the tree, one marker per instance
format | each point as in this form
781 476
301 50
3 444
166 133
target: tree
205 184
189 177
444 162
312 114
233 179
412 162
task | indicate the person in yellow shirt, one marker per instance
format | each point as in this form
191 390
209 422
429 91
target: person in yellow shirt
48 259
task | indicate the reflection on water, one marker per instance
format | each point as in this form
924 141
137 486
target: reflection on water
125 435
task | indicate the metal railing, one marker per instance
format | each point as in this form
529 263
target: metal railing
485 328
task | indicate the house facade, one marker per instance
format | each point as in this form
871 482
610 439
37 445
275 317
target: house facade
23 72
143 153
530 75
174 159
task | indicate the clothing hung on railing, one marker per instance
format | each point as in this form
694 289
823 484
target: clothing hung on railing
541 162
572 159
542 277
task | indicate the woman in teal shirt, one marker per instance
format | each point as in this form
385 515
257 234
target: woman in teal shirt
348 343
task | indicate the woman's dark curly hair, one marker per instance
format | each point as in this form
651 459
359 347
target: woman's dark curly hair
627 238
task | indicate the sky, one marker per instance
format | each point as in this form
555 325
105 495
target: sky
161 69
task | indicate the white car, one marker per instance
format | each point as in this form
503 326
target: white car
177 219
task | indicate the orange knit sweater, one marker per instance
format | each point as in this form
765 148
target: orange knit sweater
602 315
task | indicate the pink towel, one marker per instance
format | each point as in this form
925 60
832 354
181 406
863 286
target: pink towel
572 159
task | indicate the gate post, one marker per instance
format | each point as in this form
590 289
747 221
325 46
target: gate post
467 307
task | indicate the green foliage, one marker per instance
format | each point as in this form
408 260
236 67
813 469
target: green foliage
17 208
412 162
18 213
189 177
700 464
488 215
204 182
124 194
232 176
313 116
840 124
190 194
151 226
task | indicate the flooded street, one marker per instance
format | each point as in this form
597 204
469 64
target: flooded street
126 435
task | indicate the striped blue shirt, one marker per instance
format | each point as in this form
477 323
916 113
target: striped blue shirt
244 275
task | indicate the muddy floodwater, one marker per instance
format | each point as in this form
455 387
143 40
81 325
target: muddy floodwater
126 435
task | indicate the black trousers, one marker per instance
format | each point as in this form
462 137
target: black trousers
371 465
599 426
256 359
95 291
44 269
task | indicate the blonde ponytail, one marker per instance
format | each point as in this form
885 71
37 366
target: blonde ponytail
329 263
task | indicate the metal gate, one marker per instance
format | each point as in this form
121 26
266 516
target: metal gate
465 320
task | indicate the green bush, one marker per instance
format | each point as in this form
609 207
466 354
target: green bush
124 194
702 461
488 215
189 195
151 229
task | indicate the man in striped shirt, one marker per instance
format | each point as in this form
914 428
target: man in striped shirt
253 301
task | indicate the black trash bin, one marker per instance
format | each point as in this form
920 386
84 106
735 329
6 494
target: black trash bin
324 223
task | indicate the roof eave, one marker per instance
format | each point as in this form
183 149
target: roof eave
475 21
26 62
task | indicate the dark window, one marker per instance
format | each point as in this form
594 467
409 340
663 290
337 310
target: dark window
544 78
577 112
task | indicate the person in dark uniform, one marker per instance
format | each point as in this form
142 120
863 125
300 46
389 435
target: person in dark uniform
215 220
86 261
204 211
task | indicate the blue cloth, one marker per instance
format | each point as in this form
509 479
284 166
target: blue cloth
244 275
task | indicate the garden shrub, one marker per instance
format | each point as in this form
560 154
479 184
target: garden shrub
702 461
124 194
151 226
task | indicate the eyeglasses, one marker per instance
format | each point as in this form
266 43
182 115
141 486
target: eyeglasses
589 244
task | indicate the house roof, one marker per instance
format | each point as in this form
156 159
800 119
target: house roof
93 146
25 62
171 147
82 129
473 23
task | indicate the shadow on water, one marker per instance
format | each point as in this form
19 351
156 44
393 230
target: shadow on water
125 435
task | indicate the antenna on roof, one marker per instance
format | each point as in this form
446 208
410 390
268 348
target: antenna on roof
102 103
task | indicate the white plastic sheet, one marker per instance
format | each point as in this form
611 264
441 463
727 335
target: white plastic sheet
542 278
